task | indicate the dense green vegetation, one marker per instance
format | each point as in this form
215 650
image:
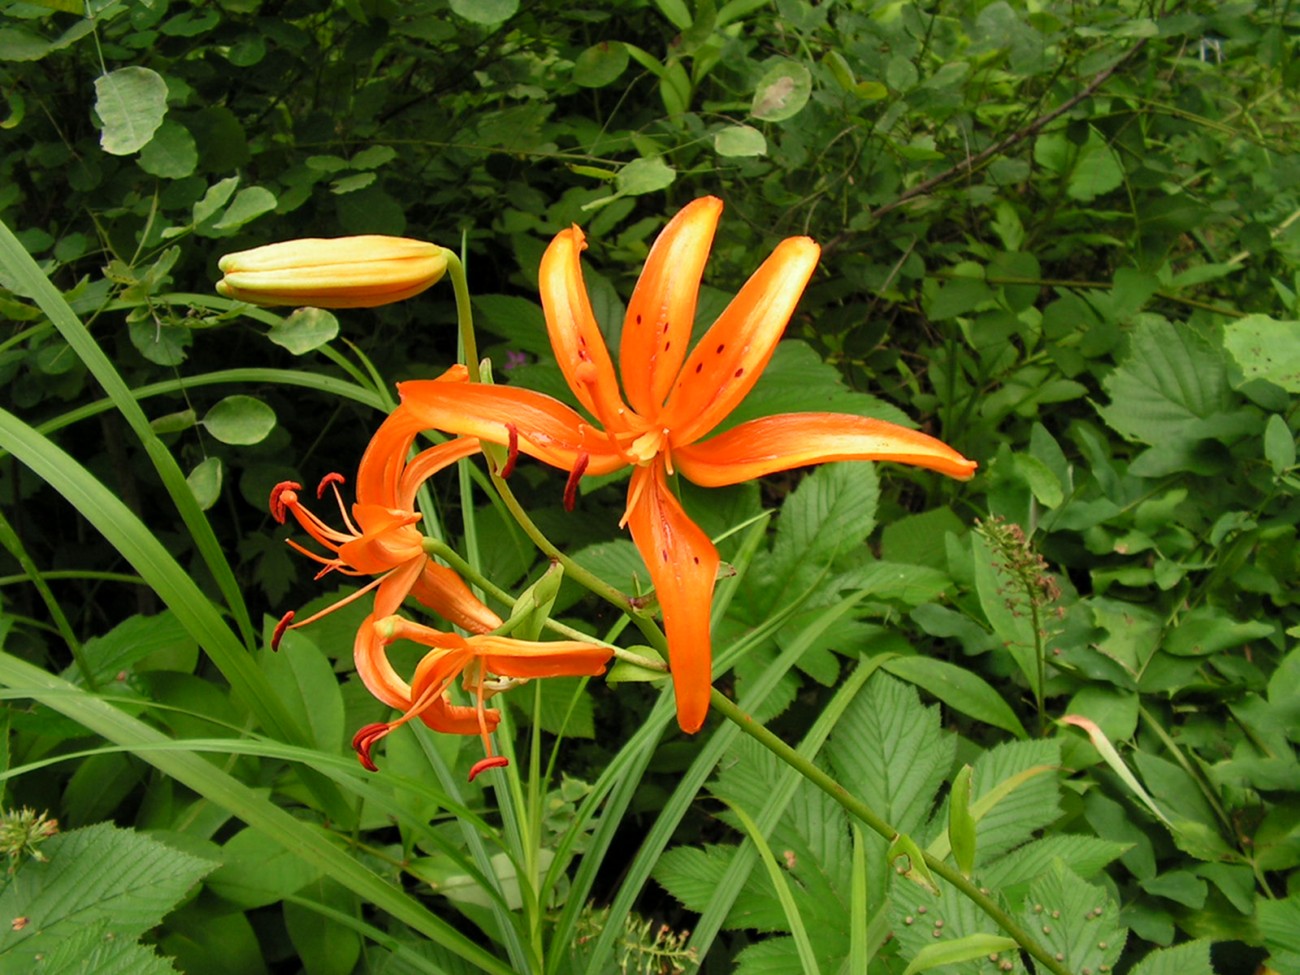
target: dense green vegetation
1061 237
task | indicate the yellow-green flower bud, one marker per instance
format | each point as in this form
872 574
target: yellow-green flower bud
336 272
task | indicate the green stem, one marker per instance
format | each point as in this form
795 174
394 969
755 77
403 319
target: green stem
856 807
464 314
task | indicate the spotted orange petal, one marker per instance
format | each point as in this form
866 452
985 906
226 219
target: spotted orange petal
727 361
683 565
661 311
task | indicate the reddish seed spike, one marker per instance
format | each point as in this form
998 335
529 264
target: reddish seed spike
277 498
326 481
513 447
575 475
280 628
492 761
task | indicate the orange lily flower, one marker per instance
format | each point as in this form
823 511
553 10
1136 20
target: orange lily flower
674 401
478 658
380 538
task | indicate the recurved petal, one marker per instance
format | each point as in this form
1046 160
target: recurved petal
683 565
778 443
579 347
506 657
726 363
661 312
371 657
546 428
387 539
382 465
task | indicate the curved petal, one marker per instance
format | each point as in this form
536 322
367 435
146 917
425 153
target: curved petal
429 462
384 461
387 539
370 654
683 565
575 336
727 362
526 658
396 586
547 429
444 592
661 311
778 443
459 719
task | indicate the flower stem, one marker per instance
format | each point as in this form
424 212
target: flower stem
857 808
464 314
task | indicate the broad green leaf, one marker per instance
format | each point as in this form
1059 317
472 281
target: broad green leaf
782 92
676 11
304 330
130 103
256 871
216 197
1208 629
1279 923
1191 958
239 419
99 874
1096 170
325 946
566 706
17 44
1172 387
172 152
739 140
961 689
248 204
307 685
486 12
954 952
163 345
1266 348
642 176
205 482
1074 920
600 65
131 641
96 948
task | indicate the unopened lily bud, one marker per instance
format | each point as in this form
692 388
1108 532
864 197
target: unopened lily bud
336 272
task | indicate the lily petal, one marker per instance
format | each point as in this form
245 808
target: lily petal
547 429
661 311
370 654
778 443
579 347
683 566
444 592
727 361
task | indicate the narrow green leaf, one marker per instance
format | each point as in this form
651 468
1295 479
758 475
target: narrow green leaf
961 824
906 860
1279 444
960 689
954 952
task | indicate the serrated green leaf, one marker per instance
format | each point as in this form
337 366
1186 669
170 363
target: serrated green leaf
1171 388
1074 920
1012 874
304 330
96 949
832 511
239 419
1192 958
97 875
130 103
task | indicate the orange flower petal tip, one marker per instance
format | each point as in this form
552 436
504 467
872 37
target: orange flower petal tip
336 272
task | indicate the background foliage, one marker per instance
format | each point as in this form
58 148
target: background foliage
1062 237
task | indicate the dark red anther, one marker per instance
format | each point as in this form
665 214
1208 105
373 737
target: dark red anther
365 739
326 481
492 761
280 627
278 504
575 475
513 447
